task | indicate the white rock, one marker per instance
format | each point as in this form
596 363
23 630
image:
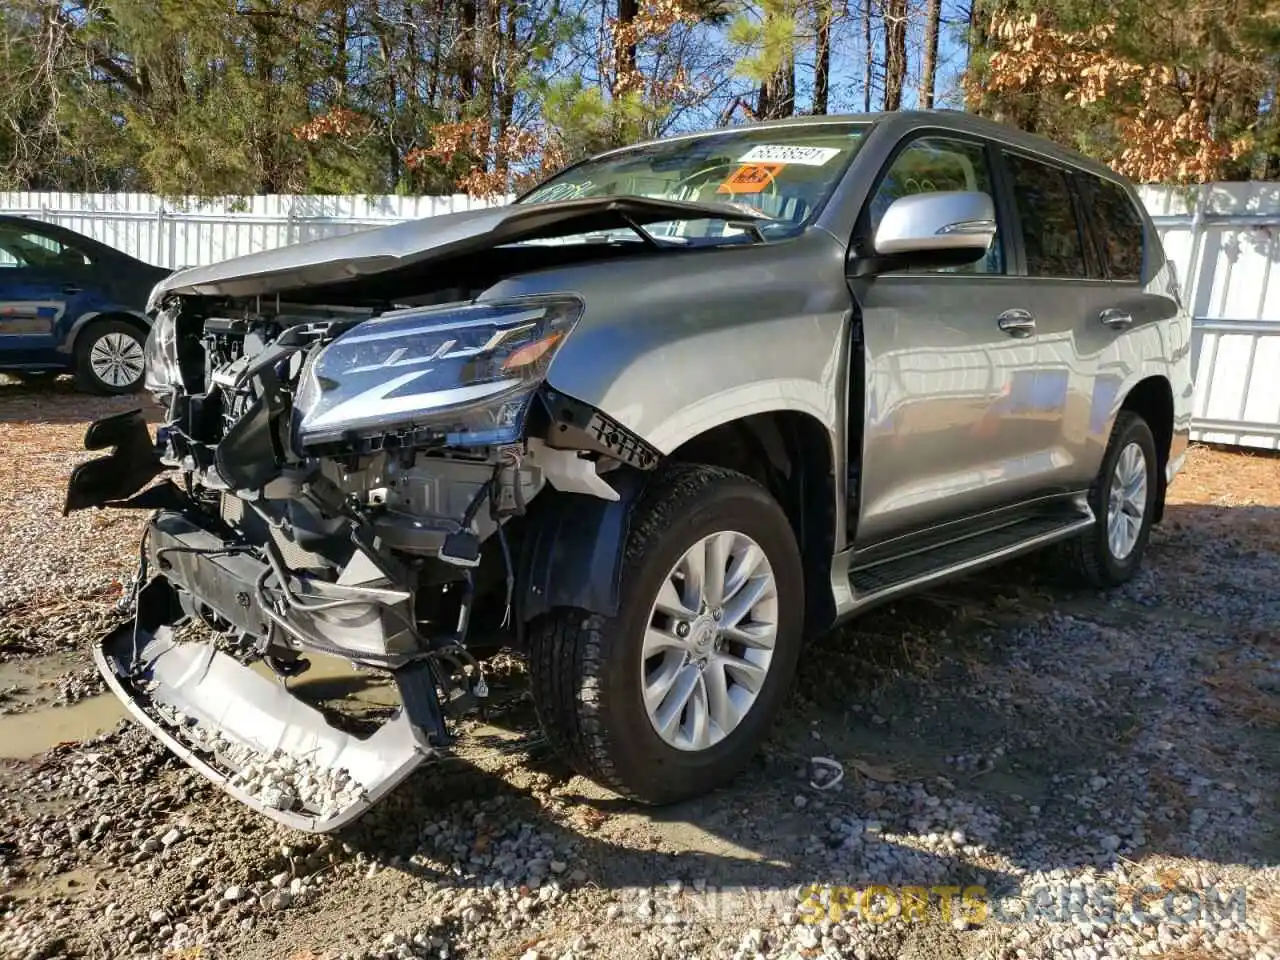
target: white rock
172 837
233 893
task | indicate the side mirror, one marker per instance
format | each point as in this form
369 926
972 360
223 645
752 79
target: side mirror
949 228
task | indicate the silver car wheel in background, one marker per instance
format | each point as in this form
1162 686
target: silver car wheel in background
709 641
116 359
1127 504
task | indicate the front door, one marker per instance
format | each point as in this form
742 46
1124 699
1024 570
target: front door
953 422
41 292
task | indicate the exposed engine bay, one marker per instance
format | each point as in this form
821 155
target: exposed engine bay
351 483
364 460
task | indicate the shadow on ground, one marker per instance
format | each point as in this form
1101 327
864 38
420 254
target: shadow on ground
1052 726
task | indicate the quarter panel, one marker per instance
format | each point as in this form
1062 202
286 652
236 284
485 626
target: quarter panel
1158 344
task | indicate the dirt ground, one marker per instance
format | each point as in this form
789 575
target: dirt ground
1064 773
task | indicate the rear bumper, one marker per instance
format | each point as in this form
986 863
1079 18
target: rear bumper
249 734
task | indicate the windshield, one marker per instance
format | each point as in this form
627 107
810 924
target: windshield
786 173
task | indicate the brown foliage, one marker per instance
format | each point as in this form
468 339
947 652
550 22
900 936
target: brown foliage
655 19
338 122
1163 124
515 160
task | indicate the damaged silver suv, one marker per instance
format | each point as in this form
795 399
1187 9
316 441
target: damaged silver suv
657 423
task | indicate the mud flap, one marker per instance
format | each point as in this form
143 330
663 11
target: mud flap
231 723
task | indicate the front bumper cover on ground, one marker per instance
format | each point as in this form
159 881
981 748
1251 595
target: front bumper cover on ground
248 733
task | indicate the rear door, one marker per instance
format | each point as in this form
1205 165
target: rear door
1066 292
42 291
1126 330
949 430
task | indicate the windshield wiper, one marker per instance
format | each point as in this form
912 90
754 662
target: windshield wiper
746 224
644 234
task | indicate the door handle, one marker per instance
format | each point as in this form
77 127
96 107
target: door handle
1116 319
71 289
1017 323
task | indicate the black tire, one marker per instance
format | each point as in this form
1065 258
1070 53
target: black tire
1091 555
89 380
586 669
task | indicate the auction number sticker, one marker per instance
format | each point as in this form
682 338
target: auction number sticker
788 153
750 178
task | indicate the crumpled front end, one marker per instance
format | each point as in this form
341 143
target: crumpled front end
337 484
248 733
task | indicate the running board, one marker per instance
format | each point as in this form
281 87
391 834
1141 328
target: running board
889 578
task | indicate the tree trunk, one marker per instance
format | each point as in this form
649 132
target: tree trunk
928 73
777 96
822 58
467 54
895 52
868 70
624 54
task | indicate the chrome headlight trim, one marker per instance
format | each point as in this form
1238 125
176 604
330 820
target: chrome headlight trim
464 372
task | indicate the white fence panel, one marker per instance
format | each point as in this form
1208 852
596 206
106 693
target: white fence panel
189 232
1222 239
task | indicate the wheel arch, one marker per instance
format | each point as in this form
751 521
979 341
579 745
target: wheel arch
788 452
135 319
1152 399
573 546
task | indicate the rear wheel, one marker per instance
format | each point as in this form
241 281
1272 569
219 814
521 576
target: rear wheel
109 358
1123 498
674 695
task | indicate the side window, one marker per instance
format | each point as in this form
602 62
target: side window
27 248
1050 231
934 164
11 255
1117 226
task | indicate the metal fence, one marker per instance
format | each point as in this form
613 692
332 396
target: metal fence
1221 237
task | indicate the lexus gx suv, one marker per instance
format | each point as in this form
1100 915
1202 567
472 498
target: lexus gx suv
657 423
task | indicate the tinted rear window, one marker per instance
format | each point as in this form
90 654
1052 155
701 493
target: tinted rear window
1050 231
1117 226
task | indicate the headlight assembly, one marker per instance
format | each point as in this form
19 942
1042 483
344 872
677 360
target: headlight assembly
162 373
462 374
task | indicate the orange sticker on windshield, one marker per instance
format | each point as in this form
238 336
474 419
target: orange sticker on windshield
750 178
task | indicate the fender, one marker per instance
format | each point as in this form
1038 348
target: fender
68 343
573 549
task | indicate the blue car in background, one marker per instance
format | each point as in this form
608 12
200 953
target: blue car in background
69 304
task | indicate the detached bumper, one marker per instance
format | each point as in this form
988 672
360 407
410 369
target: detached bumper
249 734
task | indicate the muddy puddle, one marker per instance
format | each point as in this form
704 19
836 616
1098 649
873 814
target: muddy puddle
38 724
358 700
27 734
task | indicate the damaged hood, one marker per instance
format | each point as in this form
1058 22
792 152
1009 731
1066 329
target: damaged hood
382 249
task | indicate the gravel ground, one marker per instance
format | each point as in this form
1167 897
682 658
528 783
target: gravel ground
1064 773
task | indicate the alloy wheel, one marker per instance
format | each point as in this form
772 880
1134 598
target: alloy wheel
709 641
116 359
1127 504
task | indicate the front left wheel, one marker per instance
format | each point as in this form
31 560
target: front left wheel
674 695
110 358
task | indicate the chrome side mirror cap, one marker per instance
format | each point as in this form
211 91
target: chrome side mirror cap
954 222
